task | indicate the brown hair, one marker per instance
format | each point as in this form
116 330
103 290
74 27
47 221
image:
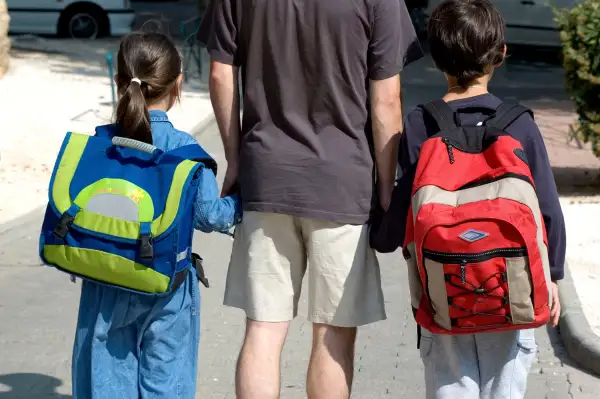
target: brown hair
466 37
154 60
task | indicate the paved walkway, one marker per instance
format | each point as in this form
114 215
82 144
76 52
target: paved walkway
38 305
38 309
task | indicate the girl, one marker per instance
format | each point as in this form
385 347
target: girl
134 346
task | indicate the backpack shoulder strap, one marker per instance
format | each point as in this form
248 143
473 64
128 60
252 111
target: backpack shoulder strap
108 131
195 152
442 113
506 114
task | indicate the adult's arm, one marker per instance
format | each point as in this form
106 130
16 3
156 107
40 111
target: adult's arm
386 114
224 96
219 31
393 44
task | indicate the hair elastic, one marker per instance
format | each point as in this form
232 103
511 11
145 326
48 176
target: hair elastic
137 80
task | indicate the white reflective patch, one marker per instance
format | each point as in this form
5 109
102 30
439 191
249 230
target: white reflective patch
113 205
182 255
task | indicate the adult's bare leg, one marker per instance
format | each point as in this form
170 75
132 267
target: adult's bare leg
331 366
258 368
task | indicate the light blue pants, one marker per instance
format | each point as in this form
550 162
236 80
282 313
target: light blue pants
477 366
130 346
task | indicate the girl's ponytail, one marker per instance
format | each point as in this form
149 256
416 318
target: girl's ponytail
148 70
132 113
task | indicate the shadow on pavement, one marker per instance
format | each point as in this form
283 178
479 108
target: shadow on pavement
559 351
31 386
88 57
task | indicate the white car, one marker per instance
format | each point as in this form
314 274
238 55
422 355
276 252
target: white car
529 22
71 18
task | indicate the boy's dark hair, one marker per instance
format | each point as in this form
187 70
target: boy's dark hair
466 37
154 60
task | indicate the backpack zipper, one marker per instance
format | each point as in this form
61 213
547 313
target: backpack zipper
481 182
460 258
463 259
449 148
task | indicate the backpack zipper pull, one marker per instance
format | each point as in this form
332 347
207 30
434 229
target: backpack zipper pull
449 147
463 272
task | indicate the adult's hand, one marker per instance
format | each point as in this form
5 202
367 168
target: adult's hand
229 181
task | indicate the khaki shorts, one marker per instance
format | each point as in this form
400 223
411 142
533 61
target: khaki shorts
271 254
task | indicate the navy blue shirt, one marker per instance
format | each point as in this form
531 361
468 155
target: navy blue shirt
419 126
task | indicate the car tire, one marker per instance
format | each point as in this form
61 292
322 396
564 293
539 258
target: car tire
83 22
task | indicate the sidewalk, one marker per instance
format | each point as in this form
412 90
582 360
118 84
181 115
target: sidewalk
66 87
55 86
41 305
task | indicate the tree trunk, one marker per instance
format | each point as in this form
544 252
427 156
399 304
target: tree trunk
4 42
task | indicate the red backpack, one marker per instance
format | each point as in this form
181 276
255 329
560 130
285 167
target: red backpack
475 242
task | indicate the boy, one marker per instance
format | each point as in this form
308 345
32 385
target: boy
466 40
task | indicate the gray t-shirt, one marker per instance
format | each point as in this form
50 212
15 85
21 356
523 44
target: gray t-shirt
306 145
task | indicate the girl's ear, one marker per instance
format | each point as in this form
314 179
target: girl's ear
175 94
178 87
180 81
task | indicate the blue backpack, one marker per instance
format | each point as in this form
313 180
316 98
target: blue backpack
120 212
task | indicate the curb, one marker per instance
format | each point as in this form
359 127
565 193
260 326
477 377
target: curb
582 344
574 178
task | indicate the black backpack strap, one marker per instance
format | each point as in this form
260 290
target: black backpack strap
506 114
442 113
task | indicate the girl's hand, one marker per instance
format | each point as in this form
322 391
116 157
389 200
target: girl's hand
229 181
555 310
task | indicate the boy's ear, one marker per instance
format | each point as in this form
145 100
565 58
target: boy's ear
503 56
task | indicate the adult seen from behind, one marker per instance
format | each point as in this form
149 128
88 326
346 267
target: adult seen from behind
314 154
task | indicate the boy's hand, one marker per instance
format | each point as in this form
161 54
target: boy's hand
555 310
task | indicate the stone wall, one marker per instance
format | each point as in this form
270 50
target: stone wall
4 42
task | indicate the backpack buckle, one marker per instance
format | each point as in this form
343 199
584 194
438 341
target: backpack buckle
64 225
199 266
146 247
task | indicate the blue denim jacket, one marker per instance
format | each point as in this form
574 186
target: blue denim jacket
211 213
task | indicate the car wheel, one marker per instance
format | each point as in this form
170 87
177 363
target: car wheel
83 23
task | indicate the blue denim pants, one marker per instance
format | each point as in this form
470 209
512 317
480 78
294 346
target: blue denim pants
477 366
130 346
